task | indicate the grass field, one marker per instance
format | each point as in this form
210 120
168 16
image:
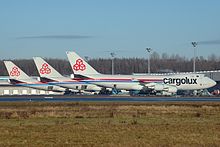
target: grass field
109 124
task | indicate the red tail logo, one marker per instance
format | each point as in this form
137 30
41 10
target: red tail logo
15 72
45 69
79 65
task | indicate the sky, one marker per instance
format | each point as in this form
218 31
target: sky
95 28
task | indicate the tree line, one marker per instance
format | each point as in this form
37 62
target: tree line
159 63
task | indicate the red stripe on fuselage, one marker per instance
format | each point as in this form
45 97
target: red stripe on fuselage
120 79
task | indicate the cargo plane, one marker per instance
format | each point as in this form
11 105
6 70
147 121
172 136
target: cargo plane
18 78
53 77
168 83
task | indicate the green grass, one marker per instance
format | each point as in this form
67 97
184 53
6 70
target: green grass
109 124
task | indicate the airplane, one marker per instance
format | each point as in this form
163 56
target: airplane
18 78
168 83
53 77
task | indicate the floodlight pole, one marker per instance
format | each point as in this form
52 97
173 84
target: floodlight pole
194 56
113 55
148 65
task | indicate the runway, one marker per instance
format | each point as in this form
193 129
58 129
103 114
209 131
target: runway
107 99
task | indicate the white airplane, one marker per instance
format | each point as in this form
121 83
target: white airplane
168 83
18 78
45 70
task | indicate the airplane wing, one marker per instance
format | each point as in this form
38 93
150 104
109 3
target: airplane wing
158 85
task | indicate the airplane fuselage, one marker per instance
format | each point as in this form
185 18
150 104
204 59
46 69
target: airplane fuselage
139 82
69 83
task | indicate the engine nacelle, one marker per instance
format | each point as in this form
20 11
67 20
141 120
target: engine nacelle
56 88
137 87
162 87
158 87
171 89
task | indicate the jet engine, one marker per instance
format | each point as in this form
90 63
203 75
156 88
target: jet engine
55 88
162 87
158 87
171 89
137 87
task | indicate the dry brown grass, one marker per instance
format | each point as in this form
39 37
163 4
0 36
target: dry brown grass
109 124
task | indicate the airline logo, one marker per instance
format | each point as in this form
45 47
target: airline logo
45 69
15 71
79 65
178 81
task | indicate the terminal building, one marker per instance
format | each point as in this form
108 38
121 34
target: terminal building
9 89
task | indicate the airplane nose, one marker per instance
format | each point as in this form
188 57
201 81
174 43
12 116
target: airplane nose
211 82
208 82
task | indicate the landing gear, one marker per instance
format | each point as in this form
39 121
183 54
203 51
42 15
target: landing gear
69 92
115 90
104 91
204 92
134 92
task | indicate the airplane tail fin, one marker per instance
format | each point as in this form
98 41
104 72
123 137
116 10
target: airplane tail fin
15 72
44 69
79 65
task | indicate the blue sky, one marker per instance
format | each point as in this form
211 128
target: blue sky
94 28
